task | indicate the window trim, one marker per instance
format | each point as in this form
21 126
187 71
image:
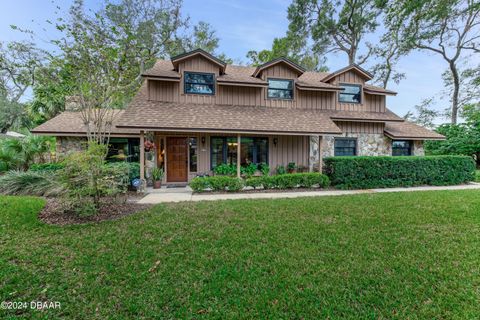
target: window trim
410 149
225 148
281 79
351 85
355 151
200 93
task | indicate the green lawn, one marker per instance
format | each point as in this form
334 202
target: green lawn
372 256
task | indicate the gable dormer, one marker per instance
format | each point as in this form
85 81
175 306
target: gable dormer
198 60
281 67
198 70
350 74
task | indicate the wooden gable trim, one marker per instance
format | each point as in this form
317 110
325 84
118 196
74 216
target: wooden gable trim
299 69
184 56
364 73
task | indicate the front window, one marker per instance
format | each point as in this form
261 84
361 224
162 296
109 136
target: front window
252 150
401 148
199 83
351 93
193 154
345 147
280 89
123 149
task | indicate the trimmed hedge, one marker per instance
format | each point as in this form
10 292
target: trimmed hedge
289 181
385 172
283 181
216 183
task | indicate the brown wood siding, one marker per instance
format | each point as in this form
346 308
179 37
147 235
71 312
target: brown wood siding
361 127
288 149
241 95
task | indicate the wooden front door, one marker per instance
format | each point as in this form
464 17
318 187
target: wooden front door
177 159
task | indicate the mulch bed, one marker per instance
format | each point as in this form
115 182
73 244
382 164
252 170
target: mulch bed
53 212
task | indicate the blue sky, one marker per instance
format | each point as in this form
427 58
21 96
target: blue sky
242 26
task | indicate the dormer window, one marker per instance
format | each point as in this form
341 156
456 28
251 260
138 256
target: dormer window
351 93
199 83
280 89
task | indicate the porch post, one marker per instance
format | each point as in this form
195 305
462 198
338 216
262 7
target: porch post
142 155
320 159
238 155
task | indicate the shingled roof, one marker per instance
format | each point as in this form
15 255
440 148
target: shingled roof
410 131
171 116
71 123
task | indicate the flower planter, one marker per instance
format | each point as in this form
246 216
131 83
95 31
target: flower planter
157 184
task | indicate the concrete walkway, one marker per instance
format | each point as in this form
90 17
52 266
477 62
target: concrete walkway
185 194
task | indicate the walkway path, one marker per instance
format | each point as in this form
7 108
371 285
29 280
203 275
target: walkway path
185 194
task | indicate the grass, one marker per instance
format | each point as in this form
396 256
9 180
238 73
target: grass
372 256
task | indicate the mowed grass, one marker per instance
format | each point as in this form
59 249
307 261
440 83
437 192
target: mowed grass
372 256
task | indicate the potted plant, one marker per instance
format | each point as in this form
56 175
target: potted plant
157 176
291 167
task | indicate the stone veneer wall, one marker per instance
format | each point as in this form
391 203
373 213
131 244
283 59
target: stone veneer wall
65 145
367 144
418 149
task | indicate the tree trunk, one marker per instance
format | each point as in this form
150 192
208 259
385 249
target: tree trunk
456 89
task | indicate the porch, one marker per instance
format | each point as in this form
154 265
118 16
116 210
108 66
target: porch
185 155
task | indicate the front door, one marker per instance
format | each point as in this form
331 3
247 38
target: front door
177 159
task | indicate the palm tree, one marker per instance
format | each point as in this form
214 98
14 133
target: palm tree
25 150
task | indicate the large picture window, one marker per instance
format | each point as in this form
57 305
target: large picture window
199 83
345 147
351 93
280 89
401 148
224 150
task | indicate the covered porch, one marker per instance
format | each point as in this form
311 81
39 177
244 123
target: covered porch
185 155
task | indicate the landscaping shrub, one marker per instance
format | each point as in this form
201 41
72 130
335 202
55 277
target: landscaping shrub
281 170
30 183
249 170
264 168
255 182
87 179
216 183
477 176
199 184
284 181
382 172
133 169
225 169
52 166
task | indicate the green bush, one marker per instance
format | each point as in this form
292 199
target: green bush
284 181
52 166
477 176
199 184
249 170
383 172
30 183
264 168
225 169
133 168
255 182
281 170
216 183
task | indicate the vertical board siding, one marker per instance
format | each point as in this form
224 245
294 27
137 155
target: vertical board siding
252 96
288 149
361 127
